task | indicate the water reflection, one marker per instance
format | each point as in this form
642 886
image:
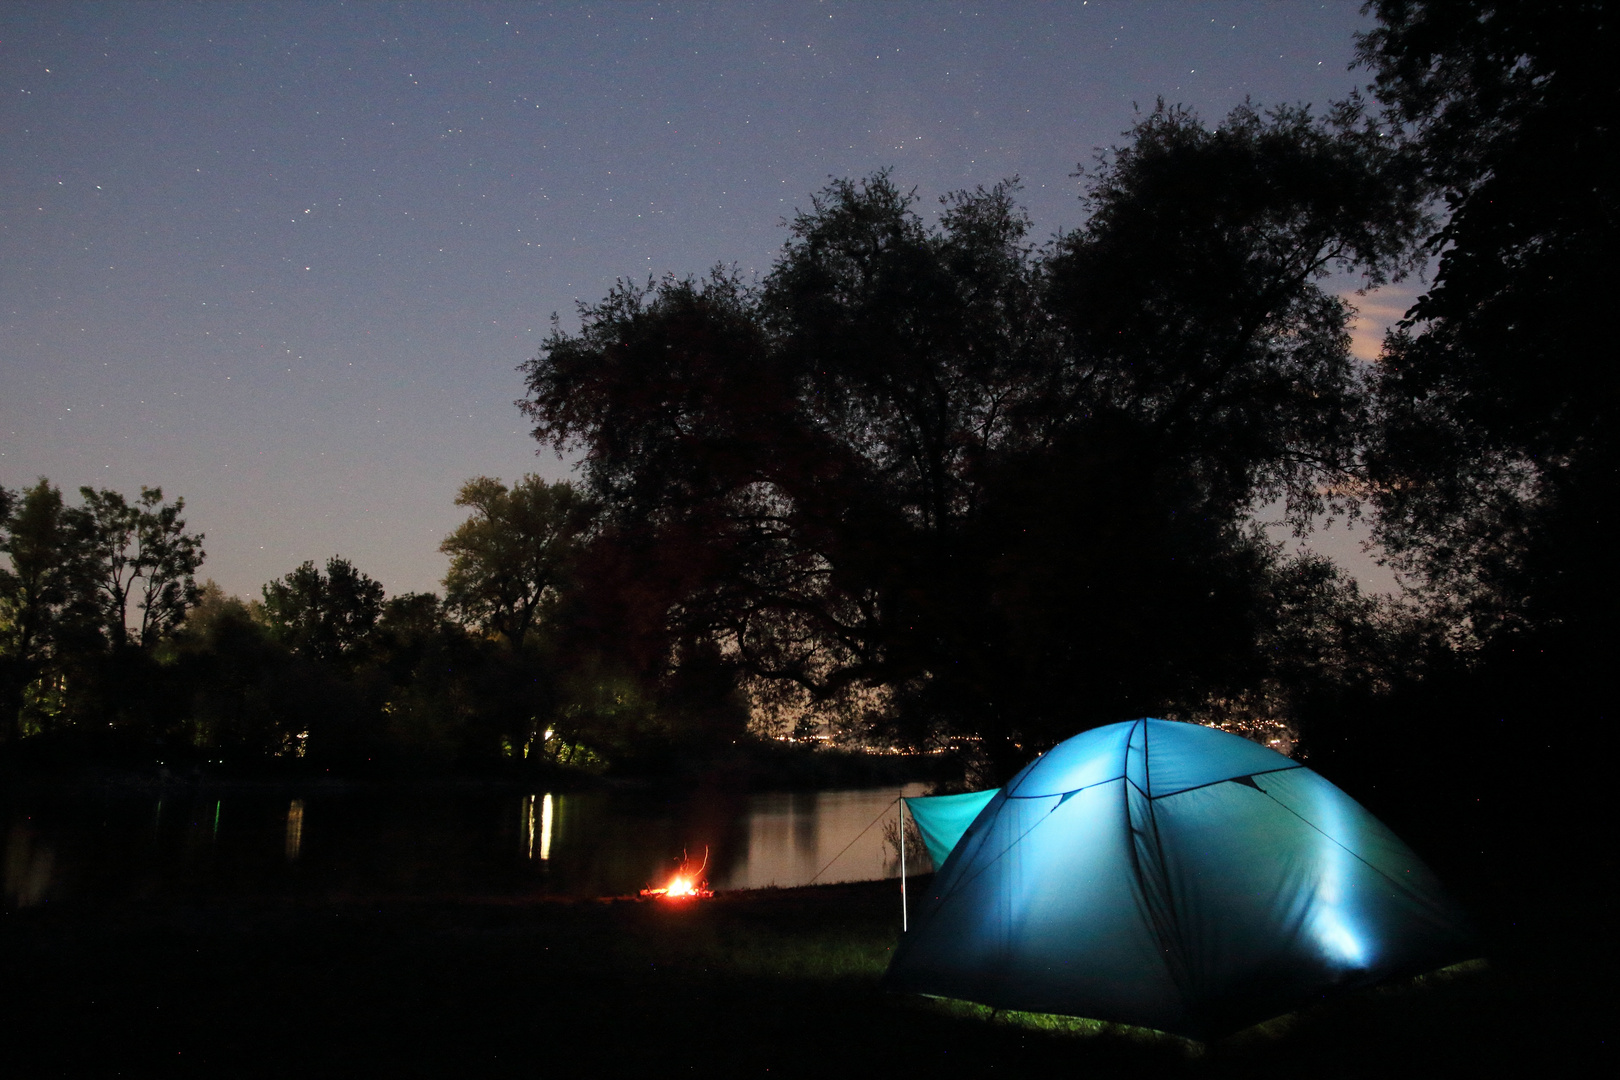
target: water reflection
28 867
545 827
826 836
537 844
432 842
295 829
526 815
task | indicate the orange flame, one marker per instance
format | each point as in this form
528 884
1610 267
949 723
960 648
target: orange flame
686 884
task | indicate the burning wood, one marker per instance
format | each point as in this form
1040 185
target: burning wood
687 884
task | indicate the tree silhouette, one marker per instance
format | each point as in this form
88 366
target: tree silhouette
508 559
1009 484
37 591
323 616
139 551
1497 459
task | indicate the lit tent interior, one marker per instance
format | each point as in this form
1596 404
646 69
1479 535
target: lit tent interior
1167 875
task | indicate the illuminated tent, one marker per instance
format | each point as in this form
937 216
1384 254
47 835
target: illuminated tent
1172 876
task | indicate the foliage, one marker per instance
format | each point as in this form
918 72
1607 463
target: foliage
323 616
931 481
139 550
239 677
1497 454
509 558
1192 293
937 459
39 585
64 600
324 672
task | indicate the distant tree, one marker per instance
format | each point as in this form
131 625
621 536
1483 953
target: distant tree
39 583
238 679
410 618
1497 461
510 557
324 617
139 551
37 590
1009 485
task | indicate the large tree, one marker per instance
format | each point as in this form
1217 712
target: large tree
1498 457
1007 485
508 559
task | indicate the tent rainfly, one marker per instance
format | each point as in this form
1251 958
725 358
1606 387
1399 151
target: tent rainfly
1171 876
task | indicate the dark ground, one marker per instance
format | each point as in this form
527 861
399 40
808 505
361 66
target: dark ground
779 982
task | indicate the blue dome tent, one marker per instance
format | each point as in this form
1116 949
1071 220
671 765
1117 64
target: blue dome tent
1171 876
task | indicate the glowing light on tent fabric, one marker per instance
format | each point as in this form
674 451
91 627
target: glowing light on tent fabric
1329 920
1176 877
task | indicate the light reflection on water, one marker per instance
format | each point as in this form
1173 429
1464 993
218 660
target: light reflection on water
28 864
792 836
537 844
434 842
295 829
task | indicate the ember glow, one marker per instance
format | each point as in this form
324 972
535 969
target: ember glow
681 886
687 884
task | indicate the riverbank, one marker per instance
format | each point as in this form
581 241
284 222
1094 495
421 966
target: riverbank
783 982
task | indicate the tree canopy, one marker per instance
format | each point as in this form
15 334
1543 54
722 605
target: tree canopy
1496 458
138 552
324 616
1009 483
928 479
509 558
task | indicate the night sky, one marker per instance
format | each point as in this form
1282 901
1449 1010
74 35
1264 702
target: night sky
284 259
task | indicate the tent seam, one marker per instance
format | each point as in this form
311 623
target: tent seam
1072 791
1403 887
1290 767
997 857
1136 858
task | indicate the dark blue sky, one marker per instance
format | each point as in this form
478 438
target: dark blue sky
283 259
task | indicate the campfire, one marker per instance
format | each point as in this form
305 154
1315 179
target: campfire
687 884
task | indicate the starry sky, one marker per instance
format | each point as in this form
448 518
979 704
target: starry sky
284 259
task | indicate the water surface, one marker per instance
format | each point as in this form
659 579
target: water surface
435 842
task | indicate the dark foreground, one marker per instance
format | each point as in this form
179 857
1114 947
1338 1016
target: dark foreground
783 982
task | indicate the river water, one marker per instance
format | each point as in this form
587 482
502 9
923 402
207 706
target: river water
435 843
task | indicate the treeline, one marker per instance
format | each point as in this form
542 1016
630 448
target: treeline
111 652
954 483
931 483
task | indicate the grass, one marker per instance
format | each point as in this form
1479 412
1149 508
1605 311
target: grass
774 982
